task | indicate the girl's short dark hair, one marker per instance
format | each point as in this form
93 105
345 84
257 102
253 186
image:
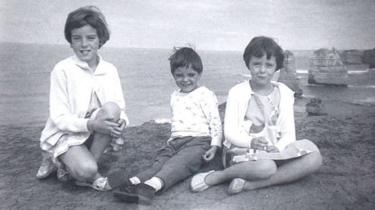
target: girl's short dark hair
88 15
260 46
185 57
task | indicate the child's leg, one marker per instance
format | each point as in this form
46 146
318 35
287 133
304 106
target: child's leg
109 111
186 162
163 155
290 171
118 178
250 170
80 163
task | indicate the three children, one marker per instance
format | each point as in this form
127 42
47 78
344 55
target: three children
87 113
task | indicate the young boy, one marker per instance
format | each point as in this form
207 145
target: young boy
196 133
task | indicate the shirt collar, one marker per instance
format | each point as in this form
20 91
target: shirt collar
251 92
83 65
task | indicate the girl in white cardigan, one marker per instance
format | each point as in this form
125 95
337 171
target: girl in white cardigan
86 104
260 141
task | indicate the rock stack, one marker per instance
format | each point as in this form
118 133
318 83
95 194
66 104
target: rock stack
326 67
288 74
369 57
352 57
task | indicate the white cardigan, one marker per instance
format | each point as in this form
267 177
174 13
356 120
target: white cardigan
237 102
72 83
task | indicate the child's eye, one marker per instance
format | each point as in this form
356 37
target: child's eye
91 37
178 75
191 75
76 38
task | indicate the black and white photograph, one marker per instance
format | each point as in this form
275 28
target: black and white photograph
201 104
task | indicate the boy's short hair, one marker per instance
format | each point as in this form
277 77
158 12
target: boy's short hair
186 57
87 15
260 46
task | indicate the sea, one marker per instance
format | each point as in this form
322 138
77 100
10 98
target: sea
146 80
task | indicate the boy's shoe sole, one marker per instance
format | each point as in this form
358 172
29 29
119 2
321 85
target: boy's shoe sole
141 194
126 196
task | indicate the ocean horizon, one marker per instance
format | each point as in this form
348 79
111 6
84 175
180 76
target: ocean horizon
145 76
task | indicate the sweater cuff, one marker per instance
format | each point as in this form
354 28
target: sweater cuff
216 141
83 125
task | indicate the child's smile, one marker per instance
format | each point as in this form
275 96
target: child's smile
186 78
85 44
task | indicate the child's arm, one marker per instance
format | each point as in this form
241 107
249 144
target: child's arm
119 96
233 121
210 154
209 106
287 124
59 106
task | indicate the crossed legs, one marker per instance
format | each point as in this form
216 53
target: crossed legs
264 173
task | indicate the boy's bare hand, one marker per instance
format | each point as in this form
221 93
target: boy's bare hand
210 154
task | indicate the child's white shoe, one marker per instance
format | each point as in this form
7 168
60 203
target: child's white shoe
46 167
100 184
198 183
236 186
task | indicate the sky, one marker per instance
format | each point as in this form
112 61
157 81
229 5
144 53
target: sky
205 24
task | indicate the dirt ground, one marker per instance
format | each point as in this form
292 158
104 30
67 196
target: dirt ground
345 181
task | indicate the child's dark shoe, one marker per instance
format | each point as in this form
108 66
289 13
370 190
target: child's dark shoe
127 193
145 193
141 193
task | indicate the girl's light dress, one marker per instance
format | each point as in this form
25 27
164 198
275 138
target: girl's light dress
262 116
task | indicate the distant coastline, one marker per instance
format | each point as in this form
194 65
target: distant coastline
145 77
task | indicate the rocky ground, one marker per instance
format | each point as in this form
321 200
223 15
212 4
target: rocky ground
346 180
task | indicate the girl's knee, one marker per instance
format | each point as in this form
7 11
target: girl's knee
110 110
314 160
85 171
264 168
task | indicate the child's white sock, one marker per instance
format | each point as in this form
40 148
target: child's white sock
155 182
135 180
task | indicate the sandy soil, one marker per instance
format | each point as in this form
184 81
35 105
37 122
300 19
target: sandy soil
345 181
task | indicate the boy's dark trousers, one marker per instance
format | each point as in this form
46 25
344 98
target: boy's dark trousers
178 160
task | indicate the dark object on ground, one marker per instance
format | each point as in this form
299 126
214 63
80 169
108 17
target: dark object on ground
315 107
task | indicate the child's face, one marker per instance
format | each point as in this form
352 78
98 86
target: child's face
85 43
262 69
186 78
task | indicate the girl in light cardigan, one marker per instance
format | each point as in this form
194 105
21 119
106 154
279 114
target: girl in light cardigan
260 147
86 104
